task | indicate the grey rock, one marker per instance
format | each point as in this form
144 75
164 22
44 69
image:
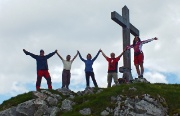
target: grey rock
54 111
27 108
52 101
42 110
71 96
104 113
65 91
133 89
40 95
9 112
66 105
85 111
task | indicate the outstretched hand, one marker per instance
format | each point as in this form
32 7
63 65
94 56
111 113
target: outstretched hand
100 50
155 38
24 50
56 51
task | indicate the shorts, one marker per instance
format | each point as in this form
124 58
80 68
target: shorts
138 59
41 73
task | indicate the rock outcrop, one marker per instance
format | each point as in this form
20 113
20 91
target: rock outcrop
46 103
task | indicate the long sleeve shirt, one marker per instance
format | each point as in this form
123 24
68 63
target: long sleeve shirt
138 46
41 61
89 62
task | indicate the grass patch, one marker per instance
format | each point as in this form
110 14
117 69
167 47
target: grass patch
14 101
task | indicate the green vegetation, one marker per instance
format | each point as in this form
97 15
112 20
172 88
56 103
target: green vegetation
99 102
14 101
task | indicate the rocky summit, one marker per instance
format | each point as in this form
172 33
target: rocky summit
48 103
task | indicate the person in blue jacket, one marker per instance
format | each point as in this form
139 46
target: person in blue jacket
42 67
88 68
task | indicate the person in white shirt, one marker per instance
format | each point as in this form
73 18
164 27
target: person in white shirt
66 74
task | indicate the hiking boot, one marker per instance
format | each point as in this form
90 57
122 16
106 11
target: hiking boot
87 87
141 76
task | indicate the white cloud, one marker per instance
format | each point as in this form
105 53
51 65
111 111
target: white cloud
155 77
85 26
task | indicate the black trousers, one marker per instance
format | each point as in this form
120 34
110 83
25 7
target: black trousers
88 74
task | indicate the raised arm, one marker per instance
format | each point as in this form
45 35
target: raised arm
59 55
103 54
96 55
81 57
149 40
31 54
122 53
51 54
75 56
129 47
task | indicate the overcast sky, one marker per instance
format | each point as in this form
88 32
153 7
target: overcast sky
84 25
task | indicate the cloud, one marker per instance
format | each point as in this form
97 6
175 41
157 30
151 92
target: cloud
155 77
86 26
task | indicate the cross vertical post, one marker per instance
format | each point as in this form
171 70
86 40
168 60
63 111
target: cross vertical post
127 29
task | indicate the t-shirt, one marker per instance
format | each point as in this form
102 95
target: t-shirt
112 64
67 64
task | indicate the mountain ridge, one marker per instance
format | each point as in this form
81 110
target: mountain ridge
99 101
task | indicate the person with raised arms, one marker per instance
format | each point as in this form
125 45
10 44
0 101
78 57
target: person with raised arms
66 73
138 54
89 69
112 67
42 67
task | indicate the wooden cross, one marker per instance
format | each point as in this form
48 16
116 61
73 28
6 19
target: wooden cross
127 29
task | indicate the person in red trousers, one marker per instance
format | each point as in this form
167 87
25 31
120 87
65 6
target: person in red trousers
42 67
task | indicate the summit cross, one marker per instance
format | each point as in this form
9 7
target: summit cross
128 29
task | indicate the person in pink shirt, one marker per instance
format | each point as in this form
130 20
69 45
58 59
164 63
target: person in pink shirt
138 54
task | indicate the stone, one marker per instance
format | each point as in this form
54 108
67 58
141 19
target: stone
133 89
54 111
65 91
85 111
27 108
104 113
43 109
66 105
9 112
40 95
52 101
